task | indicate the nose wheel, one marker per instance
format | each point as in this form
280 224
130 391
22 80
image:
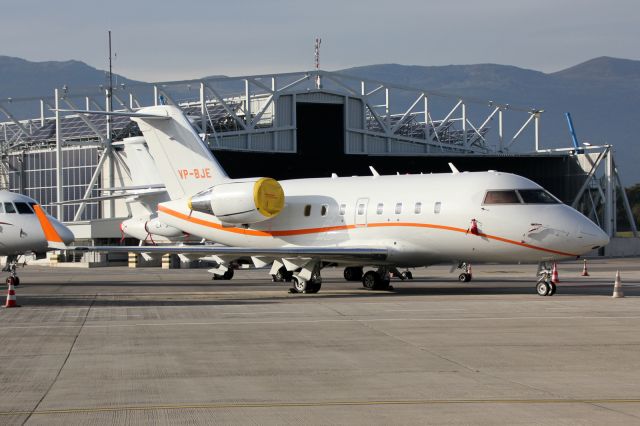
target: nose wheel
544 286
11 267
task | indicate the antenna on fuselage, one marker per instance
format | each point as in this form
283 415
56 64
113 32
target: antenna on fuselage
374 172
453 168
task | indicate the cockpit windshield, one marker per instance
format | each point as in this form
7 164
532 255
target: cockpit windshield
519 196
501 197
537 196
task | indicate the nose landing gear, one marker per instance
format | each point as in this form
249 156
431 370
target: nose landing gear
545 286
11 267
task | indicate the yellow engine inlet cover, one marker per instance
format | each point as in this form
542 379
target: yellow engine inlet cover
268 196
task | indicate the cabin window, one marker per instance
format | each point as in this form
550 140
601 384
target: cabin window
398 208
418 208
380 208
324 209
501 197
307 210
537 196
343 209
436 207
24 208
360 209
8 207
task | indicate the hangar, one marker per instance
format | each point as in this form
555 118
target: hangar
291 125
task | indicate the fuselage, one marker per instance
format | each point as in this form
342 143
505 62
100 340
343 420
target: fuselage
20 229
420 219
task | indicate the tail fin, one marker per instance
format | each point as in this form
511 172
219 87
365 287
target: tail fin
185 164
50 233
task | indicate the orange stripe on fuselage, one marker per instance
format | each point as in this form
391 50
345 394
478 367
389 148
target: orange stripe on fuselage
290 232
50 232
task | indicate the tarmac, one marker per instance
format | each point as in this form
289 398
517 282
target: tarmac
151 346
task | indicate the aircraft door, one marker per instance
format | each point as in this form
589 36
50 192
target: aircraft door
361 211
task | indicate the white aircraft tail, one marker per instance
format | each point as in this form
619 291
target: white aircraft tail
184 162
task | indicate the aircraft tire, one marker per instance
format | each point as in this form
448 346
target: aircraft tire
352 273
300 285
407 275
314 288
228 274
382 285
543 288
552 289
464 277
370 280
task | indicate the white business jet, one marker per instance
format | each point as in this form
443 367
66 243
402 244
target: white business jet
25 228
385 222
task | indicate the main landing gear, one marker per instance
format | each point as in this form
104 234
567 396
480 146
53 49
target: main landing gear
353 273
228 274
377 280
466 276
11 266
312 285
545 286
282 275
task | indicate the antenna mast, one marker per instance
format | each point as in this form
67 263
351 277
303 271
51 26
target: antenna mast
317 62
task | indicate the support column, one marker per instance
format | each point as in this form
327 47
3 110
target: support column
608 200
58 158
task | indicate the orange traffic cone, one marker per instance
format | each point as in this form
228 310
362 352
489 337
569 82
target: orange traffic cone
11 296
554 274
585 273
617 287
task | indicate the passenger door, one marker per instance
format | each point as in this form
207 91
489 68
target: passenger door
361 211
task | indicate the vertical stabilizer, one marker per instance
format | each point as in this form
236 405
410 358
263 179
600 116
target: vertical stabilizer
184 162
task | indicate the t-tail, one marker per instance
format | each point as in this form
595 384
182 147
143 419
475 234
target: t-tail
54 240
185 164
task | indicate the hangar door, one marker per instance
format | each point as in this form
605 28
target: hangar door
320 130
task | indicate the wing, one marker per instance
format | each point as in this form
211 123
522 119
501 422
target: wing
334 254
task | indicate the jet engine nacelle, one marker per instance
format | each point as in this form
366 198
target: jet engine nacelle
243 201
142 226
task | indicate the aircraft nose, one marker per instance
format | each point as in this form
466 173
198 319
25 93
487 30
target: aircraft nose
592 234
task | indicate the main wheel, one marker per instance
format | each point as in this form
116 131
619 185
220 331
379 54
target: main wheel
464 277
407 275
382 285
228 274
314 288
352 273
370 280
552 289
543 288
300 285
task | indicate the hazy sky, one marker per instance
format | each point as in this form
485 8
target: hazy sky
193 38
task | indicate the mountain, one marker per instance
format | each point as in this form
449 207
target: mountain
20 78
602 94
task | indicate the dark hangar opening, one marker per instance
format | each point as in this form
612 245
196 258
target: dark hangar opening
320 132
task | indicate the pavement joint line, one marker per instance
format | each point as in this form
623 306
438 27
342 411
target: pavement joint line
345 320
241 405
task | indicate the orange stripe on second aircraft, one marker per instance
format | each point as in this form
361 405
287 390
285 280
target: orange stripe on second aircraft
304 231
50 232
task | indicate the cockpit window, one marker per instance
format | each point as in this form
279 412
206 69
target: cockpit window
24 208
537 196
8 207
501 197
